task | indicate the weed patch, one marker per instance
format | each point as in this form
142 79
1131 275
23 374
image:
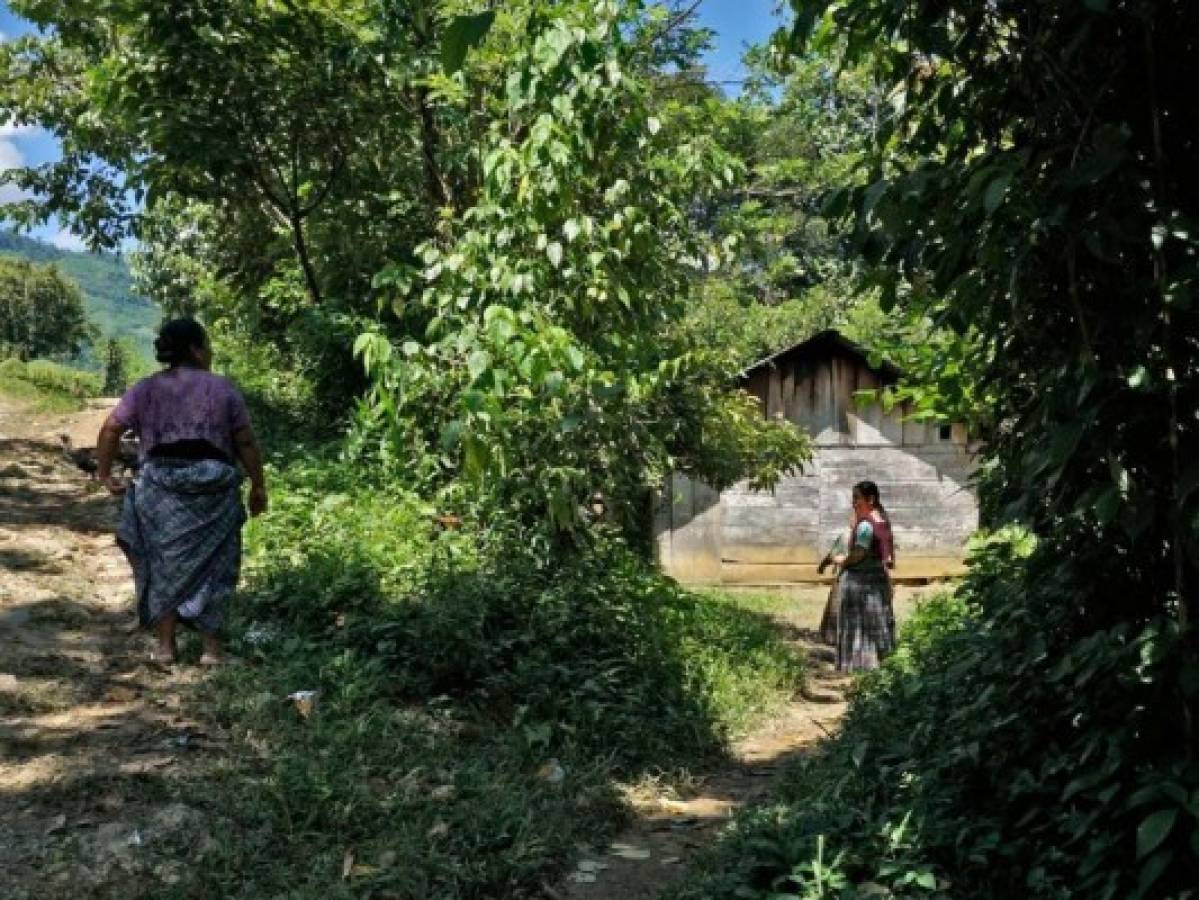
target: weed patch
999 753
452 669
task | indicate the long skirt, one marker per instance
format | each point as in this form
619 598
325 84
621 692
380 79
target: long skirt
181 532
832 613
866 622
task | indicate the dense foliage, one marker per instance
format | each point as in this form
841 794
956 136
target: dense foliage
454 671
41 312
792 271
993 756
488 200
1033 189
537 342
109 298
1031 192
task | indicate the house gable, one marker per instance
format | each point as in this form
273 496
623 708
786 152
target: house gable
816 384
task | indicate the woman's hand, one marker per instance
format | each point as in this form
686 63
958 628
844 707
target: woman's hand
258 499
839 559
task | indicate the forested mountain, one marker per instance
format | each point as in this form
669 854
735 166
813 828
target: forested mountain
107 286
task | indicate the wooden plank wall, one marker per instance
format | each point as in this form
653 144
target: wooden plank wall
689 547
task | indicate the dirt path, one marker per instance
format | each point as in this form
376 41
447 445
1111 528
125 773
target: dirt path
673 821
93 739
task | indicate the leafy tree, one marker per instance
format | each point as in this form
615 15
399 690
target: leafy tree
1032 188
1033 193
305 145
299 129
798 135
536 352
108 295
487 191
116 368
41 312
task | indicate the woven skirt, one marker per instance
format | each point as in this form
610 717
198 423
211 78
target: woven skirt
828 622
865 620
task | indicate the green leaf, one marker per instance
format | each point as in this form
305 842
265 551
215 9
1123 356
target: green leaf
1154 829
927 880
1152 871
477 363
873 194
476 457
995 192
859 754
576 358
1139 378
451 434
462 34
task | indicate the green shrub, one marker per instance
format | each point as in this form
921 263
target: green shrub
584 651
48 386
452 665
281 390
1000 753
55 377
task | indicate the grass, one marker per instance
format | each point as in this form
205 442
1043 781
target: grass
458 674
1009 748
37 398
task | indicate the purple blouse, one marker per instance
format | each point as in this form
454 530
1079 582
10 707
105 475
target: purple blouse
184 403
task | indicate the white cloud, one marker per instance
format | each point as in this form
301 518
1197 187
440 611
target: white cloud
64 240
10 156
12 129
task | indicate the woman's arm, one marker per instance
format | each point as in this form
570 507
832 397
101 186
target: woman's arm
852 558
250 456
108 441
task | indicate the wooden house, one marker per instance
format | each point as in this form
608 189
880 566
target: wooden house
922 469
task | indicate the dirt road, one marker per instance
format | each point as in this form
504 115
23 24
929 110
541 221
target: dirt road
93 738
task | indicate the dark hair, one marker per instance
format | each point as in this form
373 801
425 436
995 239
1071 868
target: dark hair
869 490
176 340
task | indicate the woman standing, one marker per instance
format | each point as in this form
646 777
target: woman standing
866 622
181 521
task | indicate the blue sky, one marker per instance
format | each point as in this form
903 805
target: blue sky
737 23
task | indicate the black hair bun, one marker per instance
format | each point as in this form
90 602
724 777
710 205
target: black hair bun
177 339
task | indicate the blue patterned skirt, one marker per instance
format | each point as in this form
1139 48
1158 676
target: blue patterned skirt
181 532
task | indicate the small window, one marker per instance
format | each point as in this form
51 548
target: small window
945 432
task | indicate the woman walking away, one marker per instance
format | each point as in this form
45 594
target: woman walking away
866 622
181 521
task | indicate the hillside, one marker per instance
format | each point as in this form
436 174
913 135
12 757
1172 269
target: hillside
106 284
